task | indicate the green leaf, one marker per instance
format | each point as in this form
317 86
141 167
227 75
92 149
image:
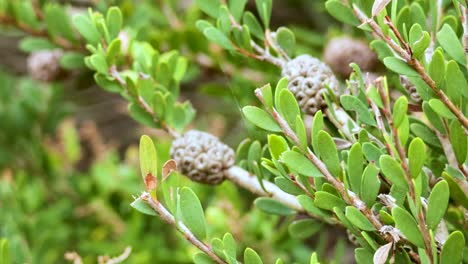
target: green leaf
352 103
393 171
370 184
301 132
58 22
455 82
216 36
202 258
267 95
230 248
456 192
237 8
449 41
437 67
113 86
87 29
399 110
272 206
251 257
114 21
371 152
264 11
288 107
459 141
191 213
358 219
253 25
98 62
304 228
355 167
210 7
286 40
72 60
419 40
433 117
441 109
148 157
437 205
288 186
341 12
452 252
5 256
425 134
317 125
308 204
416 156
363 256
399 66
277 145
329 153
31 44
260 118
142 207
328 201
407 225
300 164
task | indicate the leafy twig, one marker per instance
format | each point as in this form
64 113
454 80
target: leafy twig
169 218
412 62
404 164
142 103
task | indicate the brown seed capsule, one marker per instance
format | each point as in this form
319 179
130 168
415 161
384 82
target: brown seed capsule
202 157
342 51
308 77
45 65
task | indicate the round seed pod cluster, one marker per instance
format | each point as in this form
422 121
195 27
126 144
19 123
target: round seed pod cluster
342 51
202 157
410 88
307 80
44 65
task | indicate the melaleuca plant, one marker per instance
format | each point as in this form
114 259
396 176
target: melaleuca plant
384 158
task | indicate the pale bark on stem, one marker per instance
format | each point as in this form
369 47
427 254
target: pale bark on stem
247 181
415 64
169 218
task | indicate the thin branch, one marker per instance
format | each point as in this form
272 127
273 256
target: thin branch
404 164
414 63
350 197
247 181
142 103
169 218
59 41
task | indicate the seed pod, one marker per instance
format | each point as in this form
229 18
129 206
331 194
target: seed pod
342 51
202 157
410 88
44 65
308 77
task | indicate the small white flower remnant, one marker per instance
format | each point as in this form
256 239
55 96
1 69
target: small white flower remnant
44 65
307 80
202 157
342 51
393 231
387 200
410 88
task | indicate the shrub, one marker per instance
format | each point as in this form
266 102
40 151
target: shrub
382 154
